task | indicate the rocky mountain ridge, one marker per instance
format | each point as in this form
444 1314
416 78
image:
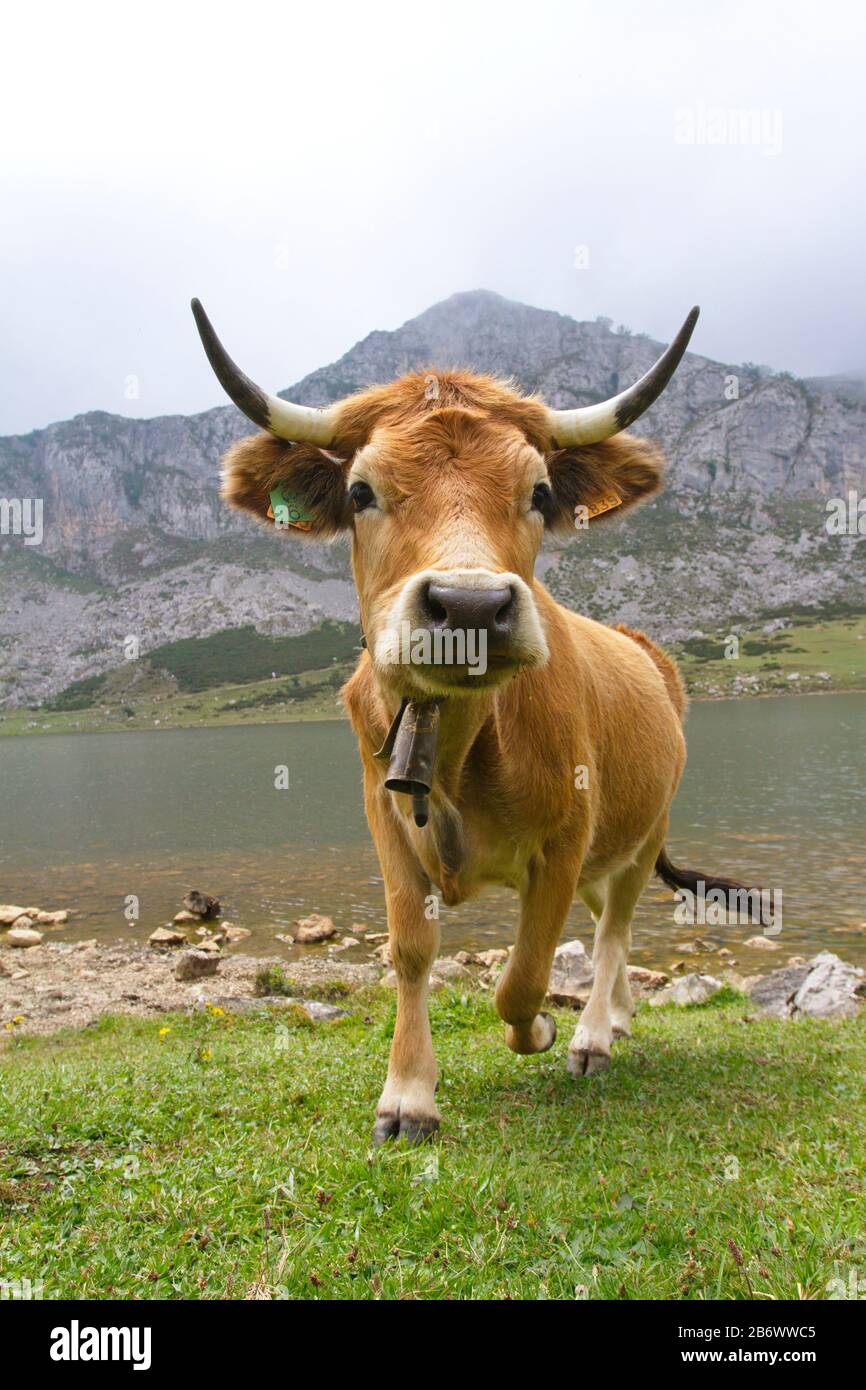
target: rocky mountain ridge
137 544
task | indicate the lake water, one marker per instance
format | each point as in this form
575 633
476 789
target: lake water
773 793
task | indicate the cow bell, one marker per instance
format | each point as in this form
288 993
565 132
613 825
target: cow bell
410 747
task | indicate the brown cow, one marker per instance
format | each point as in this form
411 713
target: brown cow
552 769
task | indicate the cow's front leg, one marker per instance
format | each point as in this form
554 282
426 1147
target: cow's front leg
520 993
406 1108
609 1008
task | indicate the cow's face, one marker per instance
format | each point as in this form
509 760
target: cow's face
448 514
447 505
446 482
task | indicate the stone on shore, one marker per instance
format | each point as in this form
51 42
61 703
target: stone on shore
571 975
230 933
23 934
201 904
762 943
164 936
9 914
644 981
825 987
691 989
195 964
309 930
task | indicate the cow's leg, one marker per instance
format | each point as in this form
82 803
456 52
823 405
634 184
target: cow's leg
622 1004
406 1108
609 1008
523 984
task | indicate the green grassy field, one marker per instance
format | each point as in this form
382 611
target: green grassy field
226 1157
805 656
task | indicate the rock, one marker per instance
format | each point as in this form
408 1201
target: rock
52 919
571 975
762 943
211 944
195 964
187 916
23 934
322 1013
313 928
796 960
691 989
644 981
201 904
24 921
726 955
231 933
377 936
774 993
89 945
164 936
10 914
359 927
383 953
5 972
450 971
830 990
497 956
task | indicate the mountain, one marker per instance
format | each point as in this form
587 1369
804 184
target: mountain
136 542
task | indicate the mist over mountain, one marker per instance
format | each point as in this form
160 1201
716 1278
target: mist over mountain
137 543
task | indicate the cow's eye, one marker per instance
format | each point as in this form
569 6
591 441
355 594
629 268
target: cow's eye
542 499
362 496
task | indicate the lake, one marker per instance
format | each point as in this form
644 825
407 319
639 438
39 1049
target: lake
773 793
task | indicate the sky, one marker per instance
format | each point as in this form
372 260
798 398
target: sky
314 173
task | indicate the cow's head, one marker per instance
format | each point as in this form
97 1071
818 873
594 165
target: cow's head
447 482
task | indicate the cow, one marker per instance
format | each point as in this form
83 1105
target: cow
549 767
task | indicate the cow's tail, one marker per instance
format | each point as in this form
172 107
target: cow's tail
695 882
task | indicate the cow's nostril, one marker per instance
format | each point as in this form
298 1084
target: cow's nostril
503 615
431 607
488 610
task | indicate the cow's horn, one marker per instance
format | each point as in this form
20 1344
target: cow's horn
592 423
286 421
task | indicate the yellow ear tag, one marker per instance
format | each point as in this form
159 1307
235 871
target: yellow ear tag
605 503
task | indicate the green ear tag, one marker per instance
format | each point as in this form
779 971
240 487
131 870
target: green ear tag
287 509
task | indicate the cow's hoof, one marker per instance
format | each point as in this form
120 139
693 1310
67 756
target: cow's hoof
587 1055
537 1036
415 1129
583 1061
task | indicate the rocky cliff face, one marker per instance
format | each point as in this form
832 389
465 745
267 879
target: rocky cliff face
136 542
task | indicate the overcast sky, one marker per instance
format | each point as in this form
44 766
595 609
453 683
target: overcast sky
315 172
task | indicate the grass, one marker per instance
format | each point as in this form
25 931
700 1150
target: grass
830 655
224 1156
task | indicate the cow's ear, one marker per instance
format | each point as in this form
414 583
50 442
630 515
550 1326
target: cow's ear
307 484
598 482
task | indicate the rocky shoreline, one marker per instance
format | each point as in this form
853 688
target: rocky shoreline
46 985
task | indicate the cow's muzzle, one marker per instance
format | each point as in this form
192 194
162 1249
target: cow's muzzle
461 630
